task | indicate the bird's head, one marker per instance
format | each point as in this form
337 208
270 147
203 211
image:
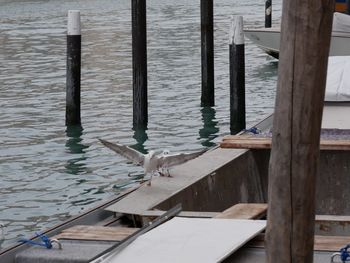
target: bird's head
166 152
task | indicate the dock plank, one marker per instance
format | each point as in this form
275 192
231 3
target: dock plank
100 233
244 211
249 142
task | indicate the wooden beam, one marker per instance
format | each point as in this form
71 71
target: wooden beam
102 233
207 52
237 76
139 63
322 243
244 211
265 143
305 41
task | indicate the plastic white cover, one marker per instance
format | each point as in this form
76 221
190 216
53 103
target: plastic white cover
341 22
190 240
338 79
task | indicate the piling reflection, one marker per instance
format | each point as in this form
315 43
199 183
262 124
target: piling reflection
74 146
140 135
210 130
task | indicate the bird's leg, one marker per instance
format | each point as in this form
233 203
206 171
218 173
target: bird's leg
150 180
168 173
161 172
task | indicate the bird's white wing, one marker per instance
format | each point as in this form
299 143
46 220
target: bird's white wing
125 151
176 159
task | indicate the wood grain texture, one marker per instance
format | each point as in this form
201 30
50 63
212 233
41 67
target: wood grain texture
102 233
244 211
242 142
305 40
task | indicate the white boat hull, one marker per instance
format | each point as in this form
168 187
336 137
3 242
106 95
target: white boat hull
269 41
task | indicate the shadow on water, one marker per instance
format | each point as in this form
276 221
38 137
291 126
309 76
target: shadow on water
140 135
74 146
210 130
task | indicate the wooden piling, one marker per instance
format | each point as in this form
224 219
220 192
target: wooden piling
207 51
268 13
73 68
237 76
139 63
305 41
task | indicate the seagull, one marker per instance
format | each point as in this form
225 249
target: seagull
152 162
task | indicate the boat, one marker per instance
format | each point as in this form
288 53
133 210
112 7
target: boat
268 39
229 181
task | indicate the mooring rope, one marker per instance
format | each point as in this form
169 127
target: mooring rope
45 241
343 254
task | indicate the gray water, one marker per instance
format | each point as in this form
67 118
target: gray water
48 172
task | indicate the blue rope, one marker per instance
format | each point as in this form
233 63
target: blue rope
344 254
45 241
253 130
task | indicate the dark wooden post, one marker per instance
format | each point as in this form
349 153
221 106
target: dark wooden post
237 76
139 63
305 41
207 50
73 68
268 13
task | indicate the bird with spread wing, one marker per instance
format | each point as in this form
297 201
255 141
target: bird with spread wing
152 162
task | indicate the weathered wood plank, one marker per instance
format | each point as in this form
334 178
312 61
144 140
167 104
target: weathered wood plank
322 243
242 142
305 41
244 211
247 144
96 233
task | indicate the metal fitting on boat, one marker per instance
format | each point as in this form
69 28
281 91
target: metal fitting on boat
57 242
335 255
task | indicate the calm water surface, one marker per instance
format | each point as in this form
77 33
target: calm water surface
49 172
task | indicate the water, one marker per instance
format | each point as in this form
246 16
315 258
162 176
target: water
48 172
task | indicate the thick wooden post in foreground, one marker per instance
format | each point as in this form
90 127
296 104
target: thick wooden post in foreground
139 63
305 40
207 51
73 68
237 76
268 13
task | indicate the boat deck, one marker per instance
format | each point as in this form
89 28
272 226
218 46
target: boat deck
222 183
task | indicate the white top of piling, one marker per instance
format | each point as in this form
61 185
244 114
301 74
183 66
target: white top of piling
236 31
73 23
